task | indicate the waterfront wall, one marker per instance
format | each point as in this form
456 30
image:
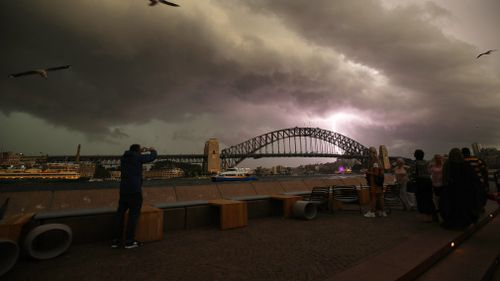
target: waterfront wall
54 200
90 212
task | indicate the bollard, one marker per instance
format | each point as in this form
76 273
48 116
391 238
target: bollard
48 241
305 210
9 252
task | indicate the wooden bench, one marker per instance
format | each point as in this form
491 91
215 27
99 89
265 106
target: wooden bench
232 213
150 225
287 202
10 228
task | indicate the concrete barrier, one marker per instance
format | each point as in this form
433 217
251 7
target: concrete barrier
82 199
268 187
197 192
9 252
154 195
27 202
294 187
230 190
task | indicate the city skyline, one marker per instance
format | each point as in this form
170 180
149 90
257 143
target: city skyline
379 72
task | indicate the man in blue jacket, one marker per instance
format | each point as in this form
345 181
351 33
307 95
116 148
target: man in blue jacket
130 194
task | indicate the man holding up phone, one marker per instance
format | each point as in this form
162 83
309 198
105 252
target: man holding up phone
130 194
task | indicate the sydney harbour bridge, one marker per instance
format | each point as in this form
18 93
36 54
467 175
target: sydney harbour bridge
290 142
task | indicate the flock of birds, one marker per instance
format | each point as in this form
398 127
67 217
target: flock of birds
43 71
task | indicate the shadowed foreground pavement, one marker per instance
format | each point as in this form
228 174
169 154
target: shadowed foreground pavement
268 249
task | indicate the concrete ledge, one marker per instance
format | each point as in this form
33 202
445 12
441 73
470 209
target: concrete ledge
174 219
259 208
201 215
249 197
304 192
180 204
73 213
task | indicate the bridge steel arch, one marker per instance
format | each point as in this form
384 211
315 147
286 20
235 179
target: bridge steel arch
233 155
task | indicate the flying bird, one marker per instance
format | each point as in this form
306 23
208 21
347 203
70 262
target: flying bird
42 72
485 53
154 2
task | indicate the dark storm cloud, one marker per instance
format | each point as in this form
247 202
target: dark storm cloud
133 64
457 97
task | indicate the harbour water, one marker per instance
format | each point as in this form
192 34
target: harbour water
81 185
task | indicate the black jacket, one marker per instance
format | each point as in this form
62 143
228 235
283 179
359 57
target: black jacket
131 170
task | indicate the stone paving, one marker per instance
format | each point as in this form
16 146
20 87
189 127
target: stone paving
268 249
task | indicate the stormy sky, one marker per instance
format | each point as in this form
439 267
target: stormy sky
381 72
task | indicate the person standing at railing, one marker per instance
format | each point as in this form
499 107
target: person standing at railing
130 194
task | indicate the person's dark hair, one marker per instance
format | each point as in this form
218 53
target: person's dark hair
465 151
456 156
419 154
135 148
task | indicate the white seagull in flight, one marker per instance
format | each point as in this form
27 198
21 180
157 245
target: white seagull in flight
154 2
485 53
42 72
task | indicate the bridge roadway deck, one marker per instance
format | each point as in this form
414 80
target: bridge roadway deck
268 249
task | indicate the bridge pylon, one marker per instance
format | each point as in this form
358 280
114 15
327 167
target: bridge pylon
212 154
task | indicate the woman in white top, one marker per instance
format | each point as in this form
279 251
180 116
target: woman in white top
407 198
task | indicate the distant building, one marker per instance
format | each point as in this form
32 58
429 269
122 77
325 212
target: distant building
163 174
280 170
86 170
115 175
492 157
153 174
10 158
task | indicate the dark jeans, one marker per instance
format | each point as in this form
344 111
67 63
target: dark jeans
132 203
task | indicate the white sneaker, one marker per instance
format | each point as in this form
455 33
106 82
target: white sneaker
383 214
370 214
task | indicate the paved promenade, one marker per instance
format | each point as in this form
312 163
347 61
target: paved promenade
268 249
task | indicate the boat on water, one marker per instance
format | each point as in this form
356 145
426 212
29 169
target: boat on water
37 174
235 174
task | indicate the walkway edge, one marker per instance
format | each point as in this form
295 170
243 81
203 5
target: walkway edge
408 260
